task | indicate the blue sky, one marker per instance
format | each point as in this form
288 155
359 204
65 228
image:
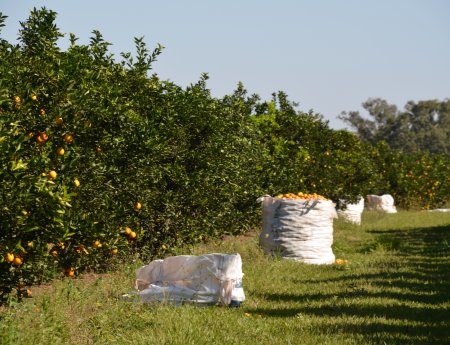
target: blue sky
328 56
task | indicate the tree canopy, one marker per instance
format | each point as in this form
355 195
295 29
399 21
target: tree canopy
422 126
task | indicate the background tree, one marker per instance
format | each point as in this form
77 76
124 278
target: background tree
422 126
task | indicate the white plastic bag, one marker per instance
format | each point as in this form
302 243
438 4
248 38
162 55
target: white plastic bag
351 212
384 203
203 280
298 229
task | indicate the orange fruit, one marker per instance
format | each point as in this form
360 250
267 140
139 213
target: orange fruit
70 272
137 205
98 149
132 235
60 151
42 137
42 112
68 138
54 253
59 120
34 97
9 257
76 183
17 261
97 244
52 175
114 251
128 231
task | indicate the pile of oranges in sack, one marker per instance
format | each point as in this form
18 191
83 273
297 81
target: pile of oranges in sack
301 195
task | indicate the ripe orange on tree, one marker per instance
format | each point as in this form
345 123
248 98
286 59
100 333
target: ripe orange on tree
52 175
137 205
60 151
59 120
68 138
9 257
42 137
76 183
18 261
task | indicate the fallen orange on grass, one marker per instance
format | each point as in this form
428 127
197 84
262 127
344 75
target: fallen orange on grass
341 261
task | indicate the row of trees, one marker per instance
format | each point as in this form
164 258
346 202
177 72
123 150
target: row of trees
99 158
421 127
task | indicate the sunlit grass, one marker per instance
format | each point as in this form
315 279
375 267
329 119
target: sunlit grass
395 290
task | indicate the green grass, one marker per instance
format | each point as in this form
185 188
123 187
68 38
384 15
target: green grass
395 290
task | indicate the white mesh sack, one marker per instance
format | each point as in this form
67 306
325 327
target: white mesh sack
351 212
298 229
384 203
204 280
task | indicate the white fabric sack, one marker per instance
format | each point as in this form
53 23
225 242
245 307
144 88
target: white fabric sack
351 212
204 280
384 203
298 229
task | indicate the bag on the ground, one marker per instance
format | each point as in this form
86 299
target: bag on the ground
298 229
384 203
208 279
351 212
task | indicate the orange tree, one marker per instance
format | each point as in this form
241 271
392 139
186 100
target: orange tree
101 159
417 180
301 153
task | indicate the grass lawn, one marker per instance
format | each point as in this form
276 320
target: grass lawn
395 290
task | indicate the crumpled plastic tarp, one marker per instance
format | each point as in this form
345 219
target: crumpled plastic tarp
203 280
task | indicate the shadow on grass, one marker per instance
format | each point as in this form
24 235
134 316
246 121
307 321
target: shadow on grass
408 305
